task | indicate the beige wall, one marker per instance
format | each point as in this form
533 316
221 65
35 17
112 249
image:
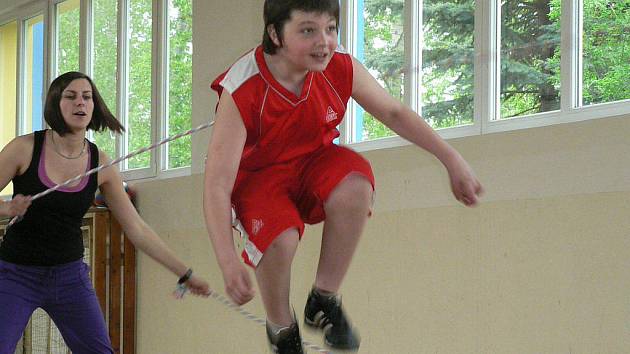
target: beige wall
540 267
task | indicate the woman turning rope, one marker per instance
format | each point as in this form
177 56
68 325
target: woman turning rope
41 256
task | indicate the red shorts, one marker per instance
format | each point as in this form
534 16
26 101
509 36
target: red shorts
279 197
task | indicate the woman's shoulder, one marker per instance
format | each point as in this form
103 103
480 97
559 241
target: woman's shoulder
103 158
22 142
18 153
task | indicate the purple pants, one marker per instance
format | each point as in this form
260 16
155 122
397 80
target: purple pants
65 292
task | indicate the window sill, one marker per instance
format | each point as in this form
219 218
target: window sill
604 110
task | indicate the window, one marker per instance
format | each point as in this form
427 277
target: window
606 51
442 91
446 86
473 67
33 75
530 57
67 39
178 120
140 61
381 47
104 64
138 120
8 71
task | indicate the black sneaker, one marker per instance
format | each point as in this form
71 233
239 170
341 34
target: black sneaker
288 341
326 313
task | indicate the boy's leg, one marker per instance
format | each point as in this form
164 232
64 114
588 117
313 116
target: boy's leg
273 274
347 210
273 226
339 190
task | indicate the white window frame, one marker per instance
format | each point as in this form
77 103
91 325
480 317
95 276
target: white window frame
20 15
159 92
162 54
159 75
487 77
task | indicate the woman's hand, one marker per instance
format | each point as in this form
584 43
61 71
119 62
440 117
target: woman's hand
16 206
198 286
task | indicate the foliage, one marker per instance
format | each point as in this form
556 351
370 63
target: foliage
530 56
180 81
530 61
606 51
139 96
105 58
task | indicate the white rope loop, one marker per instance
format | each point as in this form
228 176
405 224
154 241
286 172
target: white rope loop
222 299
248 315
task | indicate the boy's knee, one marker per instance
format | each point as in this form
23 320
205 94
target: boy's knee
284 245
353 193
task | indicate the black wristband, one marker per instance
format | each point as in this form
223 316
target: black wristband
185 277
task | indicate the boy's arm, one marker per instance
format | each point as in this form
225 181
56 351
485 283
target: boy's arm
224 156
410 126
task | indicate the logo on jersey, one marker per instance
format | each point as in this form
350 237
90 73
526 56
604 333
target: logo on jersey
330 115
257 225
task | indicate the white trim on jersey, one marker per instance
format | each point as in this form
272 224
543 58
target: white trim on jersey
296 103
240 72
334 89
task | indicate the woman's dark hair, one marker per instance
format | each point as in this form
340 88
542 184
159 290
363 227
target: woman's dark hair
278 12
101 117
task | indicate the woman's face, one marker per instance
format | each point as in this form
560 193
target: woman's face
309 40
76 104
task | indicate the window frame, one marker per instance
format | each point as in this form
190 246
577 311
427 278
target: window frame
487 36
22 15
487 41
159 72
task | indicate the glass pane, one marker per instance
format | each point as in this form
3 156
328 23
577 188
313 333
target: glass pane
180 81
446 91
139 94
606 51
68 13
34 75
381 50
104 70
530 57
8 68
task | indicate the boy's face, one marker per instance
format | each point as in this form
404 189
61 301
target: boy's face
309 40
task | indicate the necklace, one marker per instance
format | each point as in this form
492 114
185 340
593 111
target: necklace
52 135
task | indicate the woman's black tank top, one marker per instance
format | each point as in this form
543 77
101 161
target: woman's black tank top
50 232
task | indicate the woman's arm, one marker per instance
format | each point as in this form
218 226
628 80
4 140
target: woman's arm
137 231
410 126
14 160
224 155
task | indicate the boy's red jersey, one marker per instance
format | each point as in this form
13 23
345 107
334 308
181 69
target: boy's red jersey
280 125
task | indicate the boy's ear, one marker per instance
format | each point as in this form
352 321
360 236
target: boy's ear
271 30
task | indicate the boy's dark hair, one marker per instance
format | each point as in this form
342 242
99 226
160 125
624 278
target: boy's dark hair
101 117
278 12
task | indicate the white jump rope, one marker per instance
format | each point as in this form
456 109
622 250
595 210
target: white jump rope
181 288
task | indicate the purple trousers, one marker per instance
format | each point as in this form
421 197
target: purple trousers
65 292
